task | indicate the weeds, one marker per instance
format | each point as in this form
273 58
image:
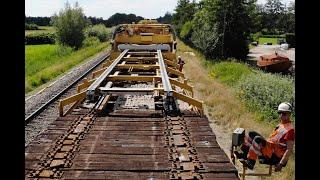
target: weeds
264 92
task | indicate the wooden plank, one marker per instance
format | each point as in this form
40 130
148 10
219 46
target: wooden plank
104 103
175 72
181 85
84 85
189 100
77 98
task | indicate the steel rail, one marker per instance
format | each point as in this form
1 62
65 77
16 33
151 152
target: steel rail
164 75
92 88
40 109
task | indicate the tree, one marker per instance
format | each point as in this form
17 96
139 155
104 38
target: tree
166 19
221 29
70 25
40 21
185 11
274 10
121 18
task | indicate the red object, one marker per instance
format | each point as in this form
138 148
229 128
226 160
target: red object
276 143
181 63
274 63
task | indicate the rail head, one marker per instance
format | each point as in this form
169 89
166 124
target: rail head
95 85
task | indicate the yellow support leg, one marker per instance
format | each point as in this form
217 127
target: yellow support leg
76 99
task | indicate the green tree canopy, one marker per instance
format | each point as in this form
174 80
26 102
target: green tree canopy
70 24
221 29
185 11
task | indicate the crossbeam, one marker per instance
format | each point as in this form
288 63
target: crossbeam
132 78
129 89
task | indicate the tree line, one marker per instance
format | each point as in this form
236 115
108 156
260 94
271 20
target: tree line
222 28
115 19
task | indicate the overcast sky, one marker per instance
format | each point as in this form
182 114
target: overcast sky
105 8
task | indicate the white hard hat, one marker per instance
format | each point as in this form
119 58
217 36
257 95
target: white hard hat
179 57
285 107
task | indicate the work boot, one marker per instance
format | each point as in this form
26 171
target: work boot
248 163
240 155
263 160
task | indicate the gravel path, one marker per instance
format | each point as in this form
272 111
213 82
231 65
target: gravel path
42 121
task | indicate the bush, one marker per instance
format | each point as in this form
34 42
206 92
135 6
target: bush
100 31
70 25
264 92
91 41
40 38
229 72
291 39
186 31
31 26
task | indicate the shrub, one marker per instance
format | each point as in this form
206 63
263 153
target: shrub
40 38
291 39
63 50
91 41
229 72
264 92
70 25
186 31
100 31
31 26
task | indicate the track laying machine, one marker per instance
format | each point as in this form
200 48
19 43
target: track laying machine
143 62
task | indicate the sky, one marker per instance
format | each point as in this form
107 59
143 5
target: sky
150 9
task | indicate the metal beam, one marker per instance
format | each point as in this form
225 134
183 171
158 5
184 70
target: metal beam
132 78
128 89
164 75
92 88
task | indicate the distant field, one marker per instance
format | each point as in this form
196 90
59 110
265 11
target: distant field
45 62
41 30
266 40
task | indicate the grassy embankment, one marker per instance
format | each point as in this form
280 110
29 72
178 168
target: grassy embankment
43 63
218 84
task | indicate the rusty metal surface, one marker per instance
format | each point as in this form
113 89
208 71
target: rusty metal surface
123 147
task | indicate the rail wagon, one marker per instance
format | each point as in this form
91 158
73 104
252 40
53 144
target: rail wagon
136 117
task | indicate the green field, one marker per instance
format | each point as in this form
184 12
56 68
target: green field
45 62
268 40
42 29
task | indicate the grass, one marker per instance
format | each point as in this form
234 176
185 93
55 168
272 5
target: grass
263 40
222 106
43 63
42 29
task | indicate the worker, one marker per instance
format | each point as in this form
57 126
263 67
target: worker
276 149
180 63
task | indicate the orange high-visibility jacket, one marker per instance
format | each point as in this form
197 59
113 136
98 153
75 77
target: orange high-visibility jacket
277 140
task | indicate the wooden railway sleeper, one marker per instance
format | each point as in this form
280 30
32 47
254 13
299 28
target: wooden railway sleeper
61 155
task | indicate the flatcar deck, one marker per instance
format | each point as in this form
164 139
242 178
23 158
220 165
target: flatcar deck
119 147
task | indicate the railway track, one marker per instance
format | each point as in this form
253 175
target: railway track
135 119
40 107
